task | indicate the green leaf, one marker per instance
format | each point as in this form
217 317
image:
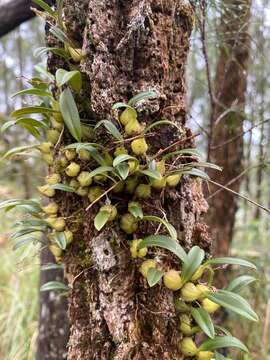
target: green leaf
25 231
144 95
196 172
70 114
240 282
24 122
31 222
74 78
205 165
63 187
204 321
12 203
192 152
60 239
41 68
223 329
168 226
135 209
121 158
151 173
123 170
220 342
44 6
60 35
25 241
231 261
101 219
100 170
158 123
194 260
121 105
32 110
91 147
54 285
233 302
17 150
112 129
51 266
33 91
32 130
164 242
55 50
153 276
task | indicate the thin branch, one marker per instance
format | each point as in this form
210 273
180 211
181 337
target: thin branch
239 135
101 196
240 195
235 179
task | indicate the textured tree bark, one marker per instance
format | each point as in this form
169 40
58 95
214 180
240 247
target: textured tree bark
230 87
130 46
53 316
15 12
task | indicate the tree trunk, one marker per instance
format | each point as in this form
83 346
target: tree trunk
230 88
130 46
53 317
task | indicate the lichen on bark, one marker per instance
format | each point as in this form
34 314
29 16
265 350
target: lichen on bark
130 46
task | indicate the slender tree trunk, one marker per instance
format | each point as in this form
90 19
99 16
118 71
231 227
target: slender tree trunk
230 87
130 46
53 318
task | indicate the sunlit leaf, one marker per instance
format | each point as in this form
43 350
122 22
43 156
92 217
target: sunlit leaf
74 78
112 129
51 266
194 259
144 95
101 170
55 50
44 6
60 239
233 302
158 123
164 242
123 170
23 242
154 174
31 110
153 276
121 105
121 158
53 286
237 284
63 187
220 342
170 228
231 261
70 114
135 209
17 150
101 219
33 91
204 321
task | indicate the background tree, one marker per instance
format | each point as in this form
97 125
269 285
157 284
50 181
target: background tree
225 142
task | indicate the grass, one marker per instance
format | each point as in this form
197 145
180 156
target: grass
18 293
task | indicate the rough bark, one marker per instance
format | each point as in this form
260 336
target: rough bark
53 316
15 12
130 46
230 88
